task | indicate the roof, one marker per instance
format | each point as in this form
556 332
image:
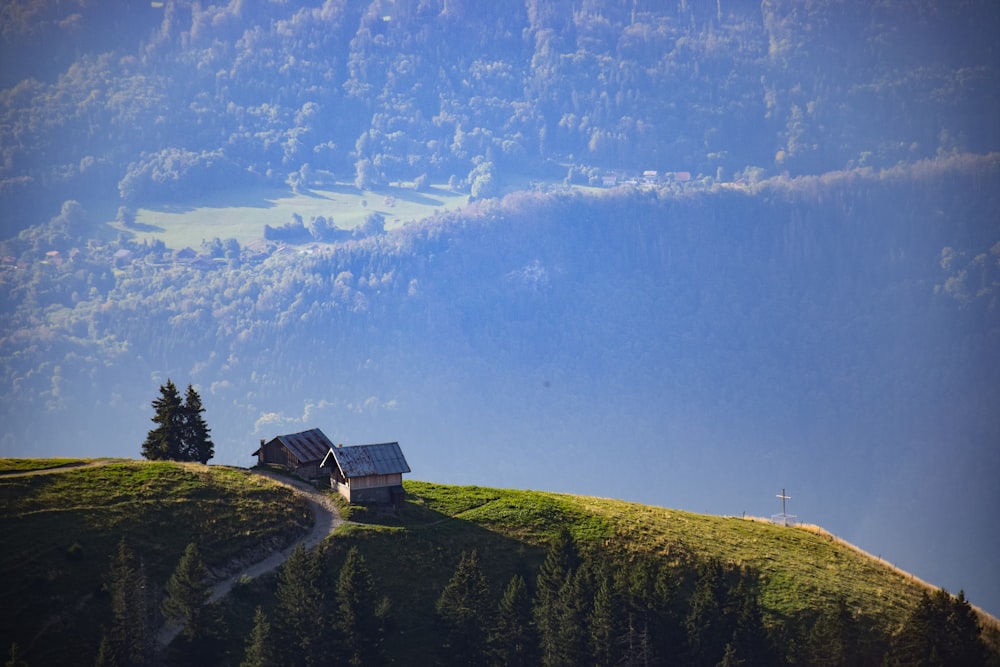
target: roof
307 445
364 460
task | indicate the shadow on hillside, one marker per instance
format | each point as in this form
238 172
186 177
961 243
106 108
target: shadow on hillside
411 555
144 227
410 195
262 197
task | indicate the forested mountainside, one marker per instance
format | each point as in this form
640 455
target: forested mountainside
159 101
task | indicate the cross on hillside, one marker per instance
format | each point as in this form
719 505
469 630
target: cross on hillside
783 517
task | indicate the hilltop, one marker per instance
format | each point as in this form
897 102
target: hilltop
62 529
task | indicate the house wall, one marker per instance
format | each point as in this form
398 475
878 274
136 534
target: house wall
373 481
373 489
276 454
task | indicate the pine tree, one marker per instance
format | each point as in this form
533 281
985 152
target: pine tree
188 593
512 641
833 640
750 644
572 631
196 443
967 646
357 620
706 624
941 630
165 442
606 629
561 559
463 610
259 652
302 606
132 610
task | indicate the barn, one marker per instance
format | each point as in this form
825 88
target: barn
367 473
299 452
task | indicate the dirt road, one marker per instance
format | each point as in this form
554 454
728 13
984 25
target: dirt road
327 519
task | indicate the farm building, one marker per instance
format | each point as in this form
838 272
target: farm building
299 452
367 473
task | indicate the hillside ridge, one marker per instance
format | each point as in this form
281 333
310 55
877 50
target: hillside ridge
798 570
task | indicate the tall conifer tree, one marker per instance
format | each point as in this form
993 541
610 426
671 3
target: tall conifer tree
357 622
606 629
130 635
302 606
165 442
259 652
463 609
561 559
188 593
196 441
513 640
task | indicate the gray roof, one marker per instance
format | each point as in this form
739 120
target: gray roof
307 445
364 460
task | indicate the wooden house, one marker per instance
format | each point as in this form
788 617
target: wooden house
299 452
367 473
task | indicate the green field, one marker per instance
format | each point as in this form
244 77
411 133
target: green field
242 214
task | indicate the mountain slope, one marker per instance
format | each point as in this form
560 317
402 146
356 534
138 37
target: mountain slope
60 530
54 590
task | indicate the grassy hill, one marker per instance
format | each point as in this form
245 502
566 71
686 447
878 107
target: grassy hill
58 532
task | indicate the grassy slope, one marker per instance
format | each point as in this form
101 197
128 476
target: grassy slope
51 603
161 507
801 569
413 556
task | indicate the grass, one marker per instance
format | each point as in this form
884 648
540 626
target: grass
58 532
801 569
413 554
26 465
242 214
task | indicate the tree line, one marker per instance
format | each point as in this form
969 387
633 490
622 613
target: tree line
579 608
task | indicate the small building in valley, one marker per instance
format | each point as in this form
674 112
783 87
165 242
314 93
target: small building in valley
301 453
367 473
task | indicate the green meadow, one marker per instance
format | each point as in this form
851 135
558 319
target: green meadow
241 214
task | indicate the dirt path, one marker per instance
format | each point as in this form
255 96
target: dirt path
64 467
326 520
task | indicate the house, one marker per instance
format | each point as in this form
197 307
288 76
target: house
299 452
367 473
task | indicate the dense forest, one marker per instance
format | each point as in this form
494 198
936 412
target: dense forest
817 302
161 101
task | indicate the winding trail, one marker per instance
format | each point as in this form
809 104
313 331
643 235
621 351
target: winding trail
326 518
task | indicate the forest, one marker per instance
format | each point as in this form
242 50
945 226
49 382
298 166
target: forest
581 608
158 102
818 302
